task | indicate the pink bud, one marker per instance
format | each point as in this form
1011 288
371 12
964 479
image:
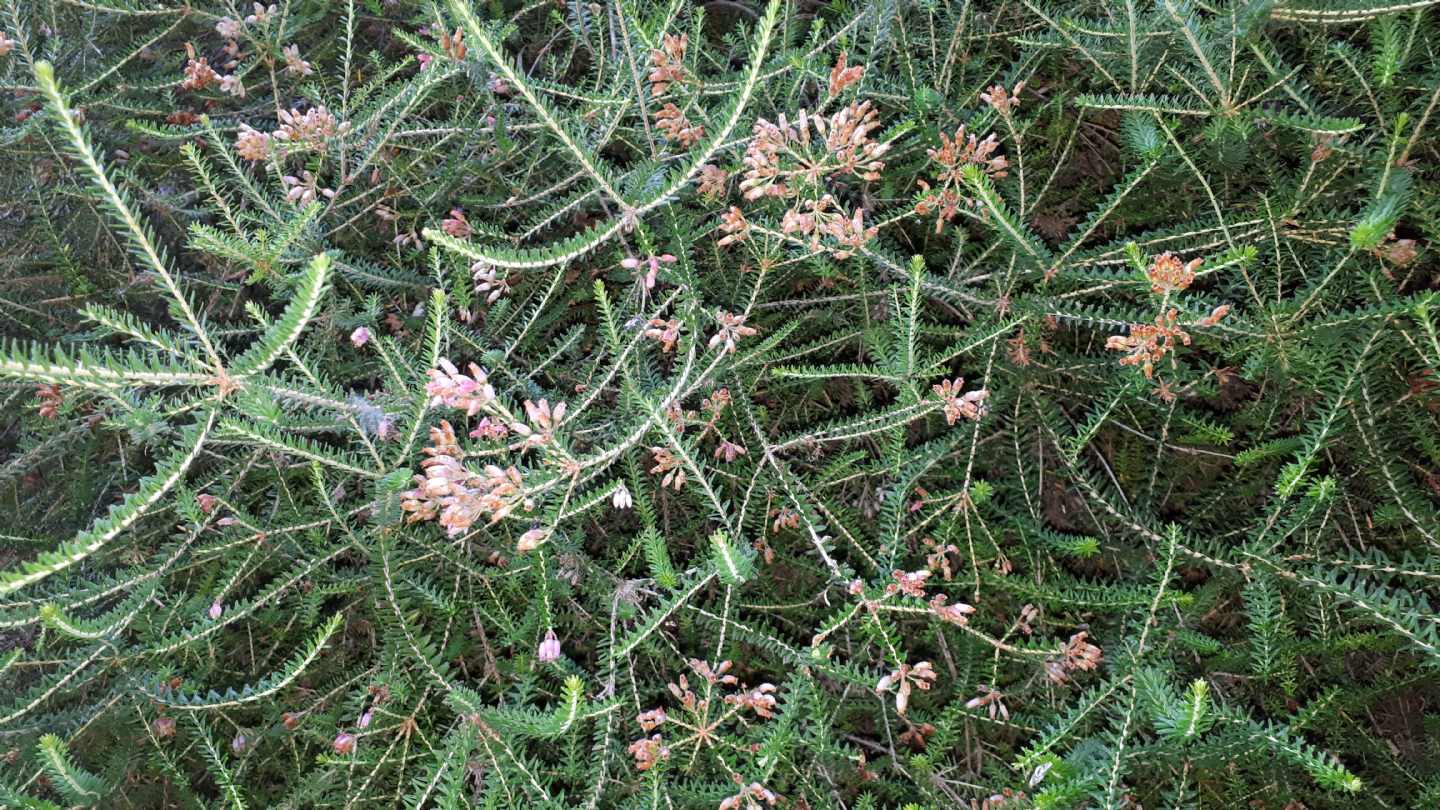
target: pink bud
344 744
549 648
360 336
164 727
364 721
206 502
216 609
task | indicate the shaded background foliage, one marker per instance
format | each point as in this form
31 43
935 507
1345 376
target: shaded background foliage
1209 582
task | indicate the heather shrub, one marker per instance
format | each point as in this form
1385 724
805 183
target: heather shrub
744 405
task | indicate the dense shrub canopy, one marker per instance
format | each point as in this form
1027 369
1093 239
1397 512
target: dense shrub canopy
736 405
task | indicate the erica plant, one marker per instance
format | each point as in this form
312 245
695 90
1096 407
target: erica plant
753 405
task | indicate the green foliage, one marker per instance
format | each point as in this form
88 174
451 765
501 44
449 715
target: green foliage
873 405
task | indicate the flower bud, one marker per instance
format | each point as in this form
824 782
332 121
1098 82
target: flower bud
549 648
344 744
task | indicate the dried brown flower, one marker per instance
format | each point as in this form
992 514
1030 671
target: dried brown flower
956 614
648 751
993 701
198 73
970 405
669 63
1001 100
293 63
906 678
677 127
953 156
1168 275
312 128
252 144
842 76
452 389
712 181
735 227
1147 345
732 329
668 465
52 399
666 333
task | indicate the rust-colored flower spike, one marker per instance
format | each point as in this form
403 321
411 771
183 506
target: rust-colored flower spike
1215 316
916 737
712 181
198 73
735 227
457 496
760 700
957 614
785 150
452 389
910 583
312 128
957 405
666 333
648 751
954 154
1080 654
786 518
252 144
51 399
965 149
651 720
676 126
668 466
1001 100
1147 345
842 76
669 63
454 44
293 63
1168 275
